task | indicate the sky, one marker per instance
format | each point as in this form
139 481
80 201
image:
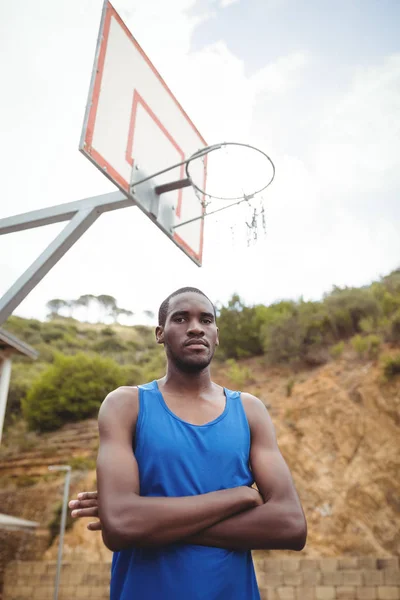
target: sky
314 84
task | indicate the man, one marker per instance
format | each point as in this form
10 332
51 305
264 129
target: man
176 463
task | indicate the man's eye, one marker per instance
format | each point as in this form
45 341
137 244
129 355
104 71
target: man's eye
207 321
179 319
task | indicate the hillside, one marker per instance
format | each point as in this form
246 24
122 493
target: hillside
338 431
328 371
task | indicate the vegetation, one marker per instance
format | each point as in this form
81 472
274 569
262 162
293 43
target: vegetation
71 389
337 350
289 331
237 374
54 525
391 366
289 386
367 346
80 362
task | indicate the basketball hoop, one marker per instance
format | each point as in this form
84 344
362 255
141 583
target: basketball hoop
238 174
235 167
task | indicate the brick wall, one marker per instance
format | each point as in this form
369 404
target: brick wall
347 578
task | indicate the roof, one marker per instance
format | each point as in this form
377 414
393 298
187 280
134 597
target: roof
13 523
10 342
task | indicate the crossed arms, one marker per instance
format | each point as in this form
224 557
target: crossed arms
238 518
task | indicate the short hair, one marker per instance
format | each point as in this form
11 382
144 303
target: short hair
163 310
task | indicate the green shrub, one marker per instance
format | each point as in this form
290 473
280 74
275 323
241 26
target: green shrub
133 375
390 303
337 350
90 334
359 344
239 327
82 463
297 331
289 386
347 307
109 345
368 325
368 345
23 481
52 333
108 331
239 375
69 343
283 338
391 366
46 352
23 374
70 390
155 366
54 525
145 334
394 328
374 345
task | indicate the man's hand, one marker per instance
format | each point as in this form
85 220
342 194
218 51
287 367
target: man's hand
86 506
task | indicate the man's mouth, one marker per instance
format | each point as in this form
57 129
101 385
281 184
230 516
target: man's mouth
196 343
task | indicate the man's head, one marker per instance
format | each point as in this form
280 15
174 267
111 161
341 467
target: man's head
187 328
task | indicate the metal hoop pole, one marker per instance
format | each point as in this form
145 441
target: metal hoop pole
197 154
213 212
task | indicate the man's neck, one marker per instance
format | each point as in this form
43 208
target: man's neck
189 383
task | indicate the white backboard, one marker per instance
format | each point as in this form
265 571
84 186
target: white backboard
134 127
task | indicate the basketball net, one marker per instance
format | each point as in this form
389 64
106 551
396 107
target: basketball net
236 177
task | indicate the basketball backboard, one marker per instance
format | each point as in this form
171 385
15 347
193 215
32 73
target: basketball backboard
134 127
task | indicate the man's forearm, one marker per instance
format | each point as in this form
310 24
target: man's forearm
273 525
155 521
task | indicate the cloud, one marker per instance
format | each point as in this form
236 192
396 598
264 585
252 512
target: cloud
359 145
318 231
225 3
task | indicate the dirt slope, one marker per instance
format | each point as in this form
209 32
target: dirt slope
338 431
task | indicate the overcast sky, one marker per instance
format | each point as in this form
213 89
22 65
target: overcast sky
314 83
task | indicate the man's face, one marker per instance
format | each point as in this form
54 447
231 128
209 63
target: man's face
190 334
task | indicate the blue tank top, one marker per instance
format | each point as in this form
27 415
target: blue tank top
176 458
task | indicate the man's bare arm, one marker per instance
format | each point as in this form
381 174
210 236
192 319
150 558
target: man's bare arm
280 522
131 520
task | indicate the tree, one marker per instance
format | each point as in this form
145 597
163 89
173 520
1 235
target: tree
55 305
149 314
120 312
85 301
107 303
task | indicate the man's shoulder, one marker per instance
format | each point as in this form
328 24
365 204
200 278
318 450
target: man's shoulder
125 398
249 401
120 405
122 394
253 406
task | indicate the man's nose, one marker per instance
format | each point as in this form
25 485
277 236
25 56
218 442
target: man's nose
195 328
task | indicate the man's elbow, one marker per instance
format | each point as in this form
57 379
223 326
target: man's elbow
297 534
118 535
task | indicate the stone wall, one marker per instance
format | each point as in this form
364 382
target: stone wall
347 578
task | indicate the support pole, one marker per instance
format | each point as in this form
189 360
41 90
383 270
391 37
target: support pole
80 214
42 265
5 376
66 468
63 212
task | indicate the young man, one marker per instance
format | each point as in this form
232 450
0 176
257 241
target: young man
175 467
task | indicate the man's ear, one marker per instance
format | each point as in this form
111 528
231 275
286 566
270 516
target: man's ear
159 334
217 342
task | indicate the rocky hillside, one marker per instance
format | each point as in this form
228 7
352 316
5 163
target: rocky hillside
337 427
